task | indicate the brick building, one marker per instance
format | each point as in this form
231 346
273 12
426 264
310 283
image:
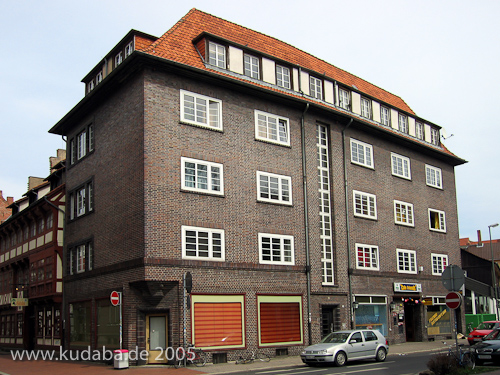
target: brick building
301 198
5 211
31 257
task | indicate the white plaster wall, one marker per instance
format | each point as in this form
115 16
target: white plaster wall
427 133
394 119
295 79
329 94
235 60
268 71
355 103
304 82
411 126
376 111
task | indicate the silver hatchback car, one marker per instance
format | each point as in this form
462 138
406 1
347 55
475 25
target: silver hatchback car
342 346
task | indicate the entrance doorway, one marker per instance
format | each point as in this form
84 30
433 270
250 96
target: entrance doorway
156 337
330 319
412 319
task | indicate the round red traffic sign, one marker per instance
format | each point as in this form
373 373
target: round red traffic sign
115 298
453 300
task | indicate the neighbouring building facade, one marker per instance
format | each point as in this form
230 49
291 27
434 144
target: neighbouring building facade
300 198
31 264
5 212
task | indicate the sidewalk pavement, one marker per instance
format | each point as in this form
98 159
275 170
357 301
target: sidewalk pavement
11 367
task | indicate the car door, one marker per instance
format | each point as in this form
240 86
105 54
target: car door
371 343
356 345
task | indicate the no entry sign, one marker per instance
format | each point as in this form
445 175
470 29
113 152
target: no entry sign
453 300
115 298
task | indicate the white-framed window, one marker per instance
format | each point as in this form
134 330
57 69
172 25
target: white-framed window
367 256
276 249
419 130
316 87
201 110
251 65
365 205
433 176
118 58
272 128
82 200
274 188
366 108
98 78
82 144
403 213
217 55
129 48
407 261
403 123
439 263
344 99
361 153
385 116
435 136
91 85
437 220
80 259
400 166
283 76
202 176
203 243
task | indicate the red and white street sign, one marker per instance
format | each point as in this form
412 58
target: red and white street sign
115 298
453 300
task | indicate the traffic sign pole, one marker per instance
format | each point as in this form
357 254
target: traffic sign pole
116 300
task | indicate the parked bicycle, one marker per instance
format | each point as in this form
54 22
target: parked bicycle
252 356
462 356
193 355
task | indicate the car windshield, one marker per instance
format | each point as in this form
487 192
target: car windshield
336 337
493 335
486 325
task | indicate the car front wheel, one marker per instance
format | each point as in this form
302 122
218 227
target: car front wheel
381 355
340 359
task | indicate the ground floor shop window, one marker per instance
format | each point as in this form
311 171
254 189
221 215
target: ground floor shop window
280 320
218 321
438 317
108 324
48 325
371 313
79 321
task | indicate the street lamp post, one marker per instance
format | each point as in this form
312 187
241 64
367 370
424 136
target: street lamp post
493 273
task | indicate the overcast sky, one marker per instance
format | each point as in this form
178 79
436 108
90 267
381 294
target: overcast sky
441 57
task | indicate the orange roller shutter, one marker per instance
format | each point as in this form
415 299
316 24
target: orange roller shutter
217 324
280 322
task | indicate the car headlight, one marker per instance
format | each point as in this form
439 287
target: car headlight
303 353
323 352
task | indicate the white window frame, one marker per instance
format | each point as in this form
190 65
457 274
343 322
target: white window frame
80 201
385 115
212 111
410 257
217 55
438 263
435 136
282 181
316 87
98 78
277 240
80 258
408 213
211 186
211 241
373 254
251 66
81 145
419 130
283 76
433 176
400 166
272 128
118 58
344 99
442 220
403 123
366 108
366 201
129 48
366 159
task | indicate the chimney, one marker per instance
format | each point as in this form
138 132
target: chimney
53 160
10 200
34 182
479 237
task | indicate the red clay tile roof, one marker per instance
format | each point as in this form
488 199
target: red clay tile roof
177 45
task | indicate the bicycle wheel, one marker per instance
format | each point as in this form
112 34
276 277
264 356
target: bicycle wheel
263 357
200 359
468 361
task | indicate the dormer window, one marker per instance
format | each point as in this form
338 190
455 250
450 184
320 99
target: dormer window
366 110
344 99
385 116
434 136
251 66
282 76
419 130
403 123
129 48
316 88
118 58
217 55
98 78
91 85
